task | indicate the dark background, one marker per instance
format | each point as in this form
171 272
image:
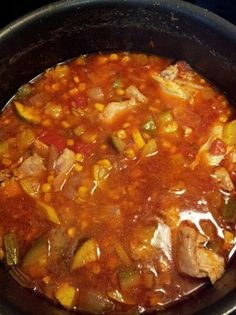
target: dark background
12 9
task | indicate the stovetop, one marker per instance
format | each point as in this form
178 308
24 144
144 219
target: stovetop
13 8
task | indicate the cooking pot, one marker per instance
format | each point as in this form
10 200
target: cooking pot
67 29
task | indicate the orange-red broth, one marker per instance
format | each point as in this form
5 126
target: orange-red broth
99 228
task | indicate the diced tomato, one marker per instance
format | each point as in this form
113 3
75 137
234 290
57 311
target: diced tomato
218 147
84 148
50 137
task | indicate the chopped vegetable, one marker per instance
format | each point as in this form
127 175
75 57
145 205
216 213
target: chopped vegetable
229 133
35 261
30 185
229 211
150 148
123 255
88 252
27 113
23 91
51 137
94 302
65 294
150 127
11 249
26 138
223 178
48 211
117 83
117 296
138 139
132 91
32 166
129 279
118 143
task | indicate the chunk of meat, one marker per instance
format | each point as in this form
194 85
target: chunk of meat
32 166
63 166
40 148
65 161
223 178
170 73
114 109
193 259
133 91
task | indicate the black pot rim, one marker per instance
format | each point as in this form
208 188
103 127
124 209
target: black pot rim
203 15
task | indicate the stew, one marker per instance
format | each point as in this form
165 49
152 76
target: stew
117 183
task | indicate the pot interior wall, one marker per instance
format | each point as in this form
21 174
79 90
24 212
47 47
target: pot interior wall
68 29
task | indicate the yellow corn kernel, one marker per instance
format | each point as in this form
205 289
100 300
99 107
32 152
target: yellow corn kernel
46 279
83 192
76 79
6 162
121 134
82 87
55 86
130 153
103 146
113 57
46 187
102 60
223 118
171 127
79 157
73 91
65 124
120 91
125 59
50 179
71 232
126 125
70 142
46 122
138 139
202 81
99 106
78 167
105 163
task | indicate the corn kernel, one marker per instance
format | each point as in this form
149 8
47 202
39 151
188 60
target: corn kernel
50 179
121 134
202 81
46 122
79 157
130 153
65 124
120 91
125 59
96 268
113 57
71 232
78 167
82 87
138 139
126 125
103 146
99 107
105 163
46 187
70 142
46 279
102 60
83 192
223 118
73 91
6 162
76 79
55 86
